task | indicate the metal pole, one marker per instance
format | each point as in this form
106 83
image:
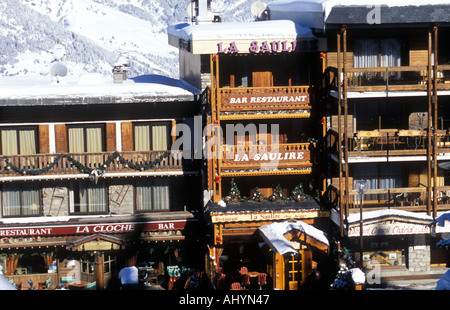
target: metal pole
361 228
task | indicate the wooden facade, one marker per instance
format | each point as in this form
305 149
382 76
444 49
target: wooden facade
267 99
126 194
388 127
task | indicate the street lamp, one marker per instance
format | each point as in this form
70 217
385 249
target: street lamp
361 186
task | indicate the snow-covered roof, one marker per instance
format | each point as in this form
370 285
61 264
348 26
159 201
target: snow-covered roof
92 88
380 214
203 38
274 235
262 30
314 13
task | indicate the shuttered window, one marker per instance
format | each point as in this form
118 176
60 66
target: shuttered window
21 200
86 138
19 141
153 194
151 136
90 198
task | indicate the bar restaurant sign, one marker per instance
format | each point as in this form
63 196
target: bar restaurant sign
80 229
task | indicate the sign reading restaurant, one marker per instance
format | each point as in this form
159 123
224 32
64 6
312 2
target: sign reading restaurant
57 230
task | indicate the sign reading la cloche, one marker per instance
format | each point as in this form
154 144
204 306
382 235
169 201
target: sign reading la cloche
258 47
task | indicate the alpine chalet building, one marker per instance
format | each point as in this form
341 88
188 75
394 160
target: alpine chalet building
260 100
89 183
387 137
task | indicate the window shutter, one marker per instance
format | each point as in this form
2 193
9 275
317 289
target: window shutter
111 137
127 136
60 138
44 139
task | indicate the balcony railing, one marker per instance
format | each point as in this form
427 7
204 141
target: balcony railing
252 99
291 158
44 164
395 142
402 198
404 78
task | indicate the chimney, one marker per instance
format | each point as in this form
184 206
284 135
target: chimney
120 70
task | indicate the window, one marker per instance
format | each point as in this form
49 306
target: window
90 198
19 141
377 53
86 138
21 200
153 194
377 176
151 136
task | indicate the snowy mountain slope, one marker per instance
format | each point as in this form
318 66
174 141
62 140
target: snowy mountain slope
96 33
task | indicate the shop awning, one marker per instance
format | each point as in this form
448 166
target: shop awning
97 242
274 235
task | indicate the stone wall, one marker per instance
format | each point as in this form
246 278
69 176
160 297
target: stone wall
419 254
55 201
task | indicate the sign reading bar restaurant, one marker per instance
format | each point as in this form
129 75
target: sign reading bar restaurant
389 228
276 98
56 230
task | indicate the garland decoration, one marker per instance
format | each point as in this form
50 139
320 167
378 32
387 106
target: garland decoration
94 173
297 194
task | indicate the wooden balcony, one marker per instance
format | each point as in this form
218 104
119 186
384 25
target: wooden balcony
83 163
390 79
391 142
414 199
280 159
263 102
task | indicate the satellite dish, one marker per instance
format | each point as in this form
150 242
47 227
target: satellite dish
58 68
257 9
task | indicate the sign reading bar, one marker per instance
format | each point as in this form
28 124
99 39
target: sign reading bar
56 230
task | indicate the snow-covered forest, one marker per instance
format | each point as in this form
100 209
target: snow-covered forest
96 33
